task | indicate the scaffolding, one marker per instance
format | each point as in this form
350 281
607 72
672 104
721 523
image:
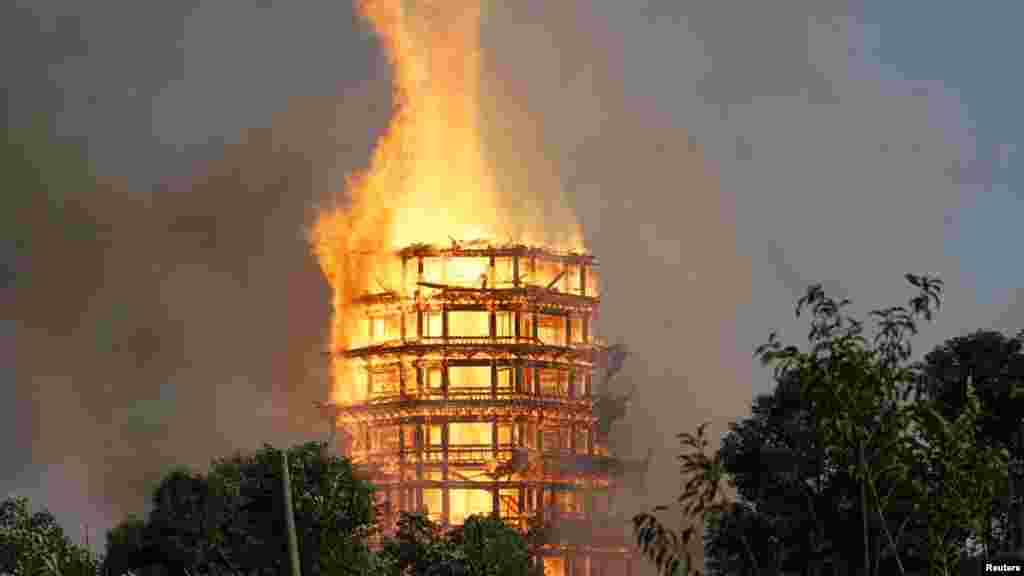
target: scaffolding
475 381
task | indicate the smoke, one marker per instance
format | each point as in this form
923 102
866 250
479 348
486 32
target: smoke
163 325
653 211
192 322
719 156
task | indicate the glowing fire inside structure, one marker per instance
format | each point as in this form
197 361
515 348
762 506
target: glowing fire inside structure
477 381
463 367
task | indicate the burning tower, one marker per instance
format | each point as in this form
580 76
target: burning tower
477 378
464 367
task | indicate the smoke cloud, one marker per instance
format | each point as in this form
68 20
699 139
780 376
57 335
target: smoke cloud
720 155
189 325
168 314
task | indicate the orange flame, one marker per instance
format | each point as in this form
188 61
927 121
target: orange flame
430 181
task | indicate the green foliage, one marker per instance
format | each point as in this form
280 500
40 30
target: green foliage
702 498
796 507
858 390
729 548
417 546
491 547
482 546
126 546
994 365
961 490
333 508
662 546
231 520
843 466
33 544
187 512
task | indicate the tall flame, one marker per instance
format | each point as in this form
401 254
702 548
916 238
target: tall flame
430 179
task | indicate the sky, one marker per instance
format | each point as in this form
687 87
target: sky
163 159
973 52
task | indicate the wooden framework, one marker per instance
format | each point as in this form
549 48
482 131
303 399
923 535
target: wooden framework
476 395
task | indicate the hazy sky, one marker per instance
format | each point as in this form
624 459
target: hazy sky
721 155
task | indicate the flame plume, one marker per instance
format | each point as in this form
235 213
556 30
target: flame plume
429 179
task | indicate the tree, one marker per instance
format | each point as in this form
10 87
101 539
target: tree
963 482
842 438
742 541
779 471
418 546
230 521
994 364
128 548
482 546
334 509
35 544
492 548
790 496
702 498
795 506
905 457
185 523
183 533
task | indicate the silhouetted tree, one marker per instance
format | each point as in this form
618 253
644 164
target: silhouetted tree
35 544
482 546
129 549
994 364
841 444
231 521
702 498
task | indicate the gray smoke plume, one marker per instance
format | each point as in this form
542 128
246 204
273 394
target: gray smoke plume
163 305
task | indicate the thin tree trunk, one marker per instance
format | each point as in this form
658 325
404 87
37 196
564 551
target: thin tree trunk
885 529
1013 477
1011 542
750 553
876 550
864 511
289 516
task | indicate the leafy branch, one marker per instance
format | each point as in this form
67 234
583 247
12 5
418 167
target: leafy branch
702 499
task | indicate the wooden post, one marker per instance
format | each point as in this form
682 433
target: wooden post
1014 478
864 510
1011 542
494 379
289 516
